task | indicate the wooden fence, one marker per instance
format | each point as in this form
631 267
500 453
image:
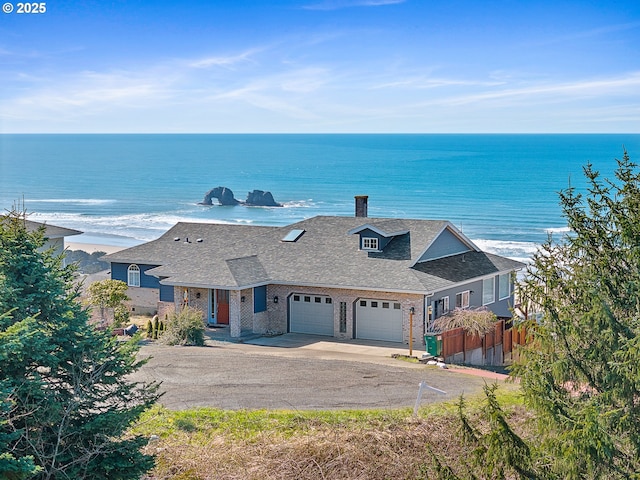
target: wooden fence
496 346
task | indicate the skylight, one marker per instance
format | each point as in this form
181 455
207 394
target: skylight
293 235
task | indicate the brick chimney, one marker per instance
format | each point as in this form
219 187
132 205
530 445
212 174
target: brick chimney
361 205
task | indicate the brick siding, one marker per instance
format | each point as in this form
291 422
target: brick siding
274 319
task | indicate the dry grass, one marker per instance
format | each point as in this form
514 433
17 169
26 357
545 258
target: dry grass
213 444
474 321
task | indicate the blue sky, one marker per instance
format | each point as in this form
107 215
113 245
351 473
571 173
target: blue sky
279 66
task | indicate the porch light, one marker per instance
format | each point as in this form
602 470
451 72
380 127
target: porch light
275 299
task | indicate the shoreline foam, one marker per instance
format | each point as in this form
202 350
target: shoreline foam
93 247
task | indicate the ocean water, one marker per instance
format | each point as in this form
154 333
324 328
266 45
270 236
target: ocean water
501 190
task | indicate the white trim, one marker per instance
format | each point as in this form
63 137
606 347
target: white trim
493 290
445 304
468 292
368 226
472 280
300 284
133 275
510 285
374 244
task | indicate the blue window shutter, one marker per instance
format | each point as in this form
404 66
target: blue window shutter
259 299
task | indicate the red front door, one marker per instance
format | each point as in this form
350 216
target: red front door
222 299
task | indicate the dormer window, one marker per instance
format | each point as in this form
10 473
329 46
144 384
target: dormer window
369 243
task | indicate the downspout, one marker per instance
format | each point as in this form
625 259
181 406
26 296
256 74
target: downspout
426 318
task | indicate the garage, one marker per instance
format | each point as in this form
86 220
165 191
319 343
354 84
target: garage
378 320
312 314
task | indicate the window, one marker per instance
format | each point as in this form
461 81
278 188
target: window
369 243
133 276
343 317
462 299
318 299
307 299
327 300
396 306
293 235
444 302
296 298
488 291
504 286
385 304
363 303
374 304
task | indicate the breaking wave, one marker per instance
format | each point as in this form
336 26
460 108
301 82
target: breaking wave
73 201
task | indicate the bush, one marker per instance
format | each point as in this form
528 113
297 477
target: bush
184 328
121 315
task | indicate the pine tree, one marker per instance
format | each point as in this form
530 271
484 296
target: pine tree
65 381
580 370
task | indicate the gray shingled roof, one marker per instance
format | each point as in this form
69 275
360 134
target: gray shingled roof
51 231
240 256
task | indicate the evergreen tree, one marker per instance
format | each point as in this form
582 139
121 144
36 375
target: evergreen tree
580 369
70 403
12 468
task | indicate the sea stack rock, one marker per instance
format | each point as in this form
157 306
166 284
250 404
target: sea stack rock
223 194
259 198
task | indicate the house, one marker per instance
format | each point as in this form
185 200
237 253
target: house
346 277
53 235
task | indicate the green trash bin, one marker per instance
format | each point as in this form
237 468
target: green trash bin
433 343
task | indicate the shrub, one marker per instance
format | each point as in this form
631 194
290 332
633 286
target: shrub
184 328
154 333
121 316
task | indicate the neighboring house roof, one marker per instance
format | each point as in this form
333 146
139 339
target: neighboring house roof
51 231
326 254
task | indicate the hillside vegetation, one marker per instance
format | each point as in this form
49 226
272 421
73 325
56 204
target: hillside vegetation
203 444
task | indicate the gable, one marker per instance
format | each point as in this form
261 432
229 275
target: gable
444 245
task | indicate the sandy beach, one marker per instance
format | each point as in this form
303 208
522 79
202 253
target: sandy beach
93 247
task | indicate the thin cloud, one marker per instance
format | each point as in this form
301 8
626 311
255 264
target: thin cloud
591 88
340 4
594 32
88 93
226 61
422 83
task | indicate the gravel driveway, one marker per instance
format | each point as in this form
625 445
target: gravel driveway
295 372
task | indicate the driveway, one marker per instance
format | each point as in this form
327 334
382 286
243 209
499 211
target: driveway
296 372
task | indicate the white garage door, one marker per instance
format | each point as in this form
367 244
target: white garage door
311 314
379 320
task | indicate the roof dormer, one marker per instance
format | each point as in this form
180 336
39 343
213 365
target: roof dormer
373 238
